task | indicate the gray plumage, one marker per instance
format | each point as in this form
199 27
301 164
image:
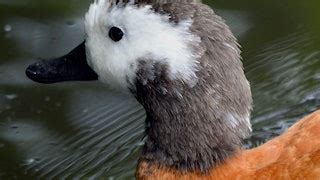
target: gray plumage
194 128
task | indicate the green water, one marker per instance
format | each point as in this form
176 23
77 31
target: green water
74 130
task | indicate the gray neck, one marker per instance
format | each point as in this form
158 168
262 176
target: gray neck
192 129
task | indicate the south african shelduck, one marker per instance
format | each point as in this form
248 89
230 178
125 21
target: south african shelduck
182 63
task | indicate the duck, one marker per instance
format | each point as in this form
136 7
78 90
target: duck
183 65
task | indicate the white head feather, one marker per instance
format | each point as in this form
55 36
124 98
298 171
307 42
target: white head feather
147 35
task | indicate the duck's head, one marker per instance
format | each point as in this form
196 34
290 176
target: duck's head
120 39
180 61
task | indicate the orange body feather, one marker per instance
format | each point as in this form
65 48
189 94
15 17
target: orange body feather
293 155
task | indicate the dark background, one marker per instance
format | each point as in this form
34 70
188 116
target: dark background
72 130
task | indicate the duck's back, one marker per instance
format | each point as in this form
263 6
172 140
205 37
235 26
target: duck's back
293 155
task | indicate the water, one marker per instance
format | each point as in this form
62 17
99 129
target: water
74 130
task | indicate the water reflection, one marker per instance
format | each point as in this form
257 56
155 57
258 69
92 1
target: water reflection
74 130
88 135
285 79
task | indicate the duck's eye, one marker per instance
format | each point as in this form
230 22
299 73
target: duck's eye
115 34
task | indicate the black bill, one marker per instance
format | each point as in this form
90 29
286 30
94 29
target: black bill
71 67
